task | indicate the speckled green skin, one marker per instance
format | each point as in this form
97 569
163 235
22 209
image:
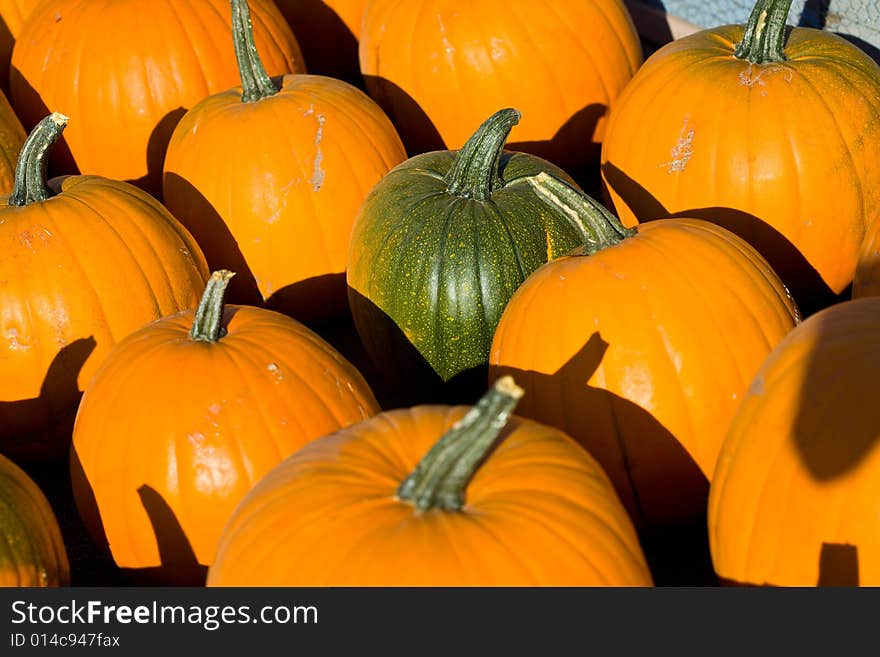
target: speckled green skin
433 271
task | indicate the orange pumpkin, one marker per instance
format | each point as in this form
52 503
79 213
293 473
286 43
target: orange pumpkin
127 71
377 505
438 68
33 552
279 211
86 261
187 414
642 347
794 496
777 144
12 136
866 282
327 32
12 16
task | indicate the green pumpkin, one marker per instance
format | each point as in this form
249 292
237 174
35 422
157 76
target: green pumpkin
440 245
32 552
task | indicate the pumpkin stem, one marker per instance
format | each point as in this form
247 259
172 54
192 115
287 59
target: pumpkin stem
206 326
30 171
764 36
598 227
476 172
440 478
255 82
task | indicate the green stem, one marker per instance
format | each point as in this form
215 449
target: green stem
255 82
598 227
30 171
441 477
207 325
476 171
764 37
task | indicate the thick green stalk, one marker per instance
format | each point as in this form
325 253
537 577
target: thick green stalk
476 172
599 228
255 82
207 325
441 477
764 38
33 161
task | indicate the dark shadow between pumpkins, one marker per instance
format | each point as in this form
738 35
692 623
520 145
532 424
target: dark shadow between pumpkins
676 547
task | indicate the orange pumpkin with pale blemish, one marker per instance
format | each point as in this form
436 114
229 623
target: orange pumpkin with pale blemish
776 141
279 211
158 469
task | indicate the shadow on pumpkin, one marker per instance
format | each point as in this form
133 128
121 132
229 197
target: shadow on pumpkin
572 148
838 567
315 302
38 430
804 283
668 508
157 145
218 244
398 374
7 42
328 46
417 131
61 160
93 564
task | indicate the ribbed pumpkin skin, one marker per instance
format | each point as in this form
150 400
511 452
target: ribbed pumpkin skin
80 272
457 64
12 136
327 32
125 94
539 512
32 552
198 424
304 161
12 14
866 282
785 148
642 351
434 270
798 477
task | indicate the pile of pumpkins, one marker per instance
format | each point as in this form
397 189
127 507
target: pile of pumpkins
597 297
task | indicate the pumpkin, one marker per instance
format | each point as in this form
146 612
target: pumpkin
279 212
32 552
776 141
126 93
12 136
866 281
641 347
438 248
186 414
327 32
87 260
794 495
385 503
438 68
12 16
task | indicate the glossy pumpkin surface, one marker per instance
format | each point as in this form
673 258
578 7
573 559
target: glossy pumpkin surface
174 430
93 261
642 352
539 511
32 552
794 496
783 153
438 68
125 93
279 212
12 16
